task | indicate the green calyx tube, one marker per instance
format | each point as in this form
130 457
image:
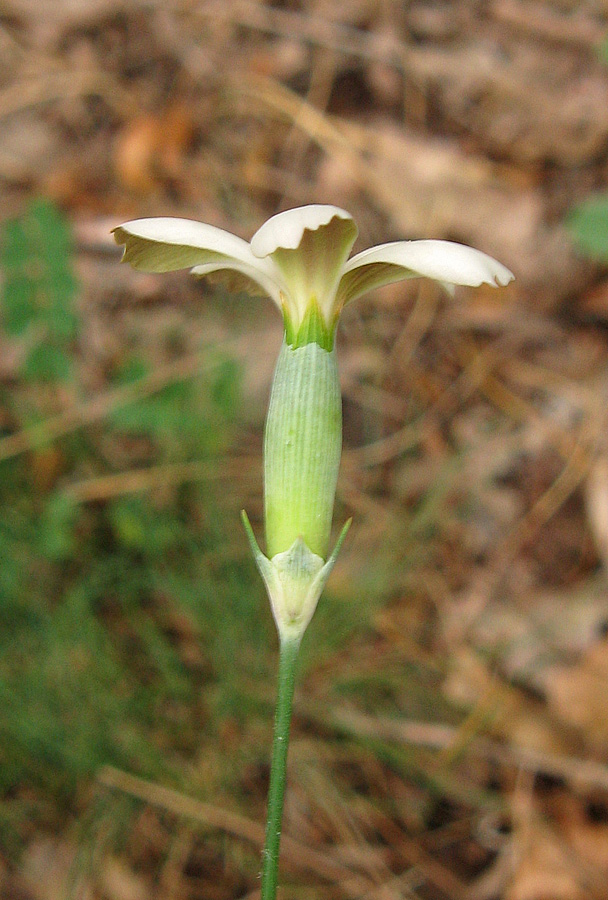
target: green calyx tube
302 446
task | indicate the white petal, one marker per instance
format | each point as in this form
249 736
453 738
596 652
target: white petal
445 261
168 244
234 281
308 247
175 243
286 229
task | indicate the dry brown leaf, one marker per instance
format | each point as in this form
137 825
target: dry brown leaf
429 187
596 496
46 868
121 883
152 147
47 465
577 694
594 302
60 13
531 104
542 870
134 151
27 143
587 838
502 710
177 132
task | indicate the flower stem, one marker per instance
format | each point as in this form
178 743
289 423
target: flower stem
288 655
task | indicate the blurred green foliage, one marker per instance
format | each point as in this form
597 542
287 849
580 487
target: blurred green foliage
38 291
119 619
603 50
588 224
134 630
588 221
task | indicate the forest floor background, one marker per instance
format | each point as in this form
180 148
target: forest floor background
451 727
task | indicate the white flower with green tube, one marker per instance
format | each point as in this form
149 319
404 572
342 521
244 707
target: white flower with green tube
299 258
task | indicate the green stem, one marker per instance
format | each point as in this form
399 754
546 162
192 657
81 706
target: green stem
288 655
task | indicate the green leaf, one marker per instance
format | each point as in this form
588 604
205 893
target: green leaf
50 231
139 527
47 362
588 224
15 246
57 527
226 387
129 523
39 285
19 303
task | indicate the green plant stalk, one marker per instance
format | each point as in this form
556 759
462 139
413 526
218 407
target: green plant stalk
288 654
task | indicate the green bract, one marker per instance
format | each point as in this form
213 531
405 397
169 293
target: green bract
300 259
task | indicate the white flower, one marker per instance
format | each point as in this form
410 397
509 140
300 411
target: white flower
299 258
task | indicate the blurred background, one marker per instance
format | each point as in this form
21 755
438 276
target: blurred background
450 736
